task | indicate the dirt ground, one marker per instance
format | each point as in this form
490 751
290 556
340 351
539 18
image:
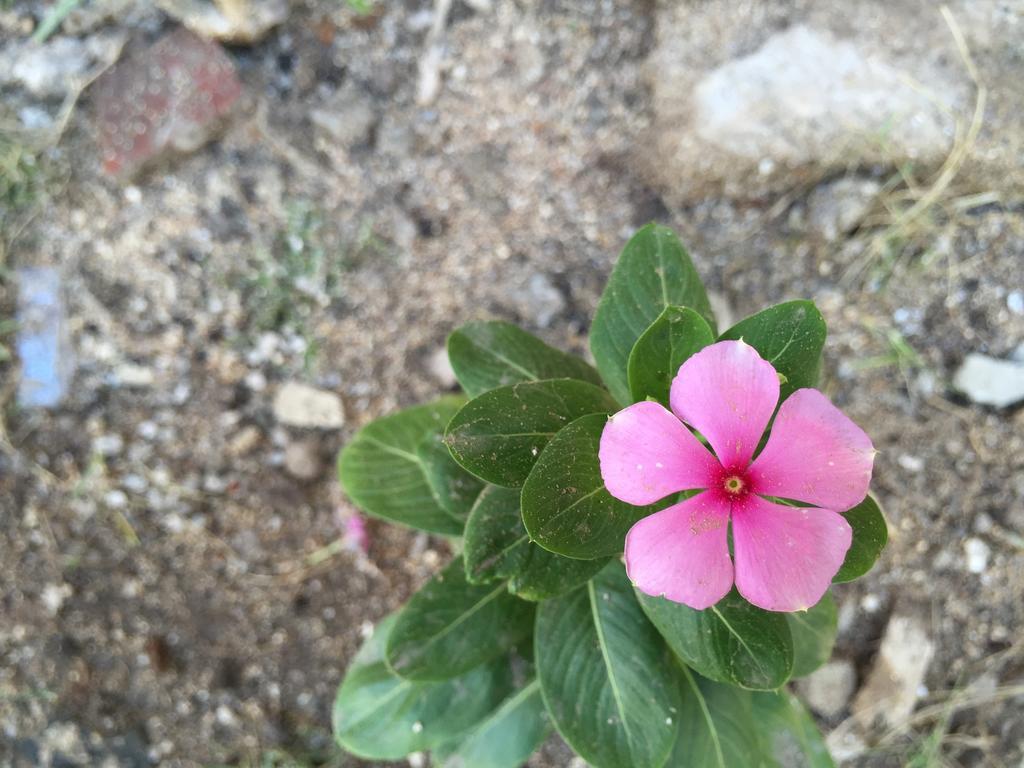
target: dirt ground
172 590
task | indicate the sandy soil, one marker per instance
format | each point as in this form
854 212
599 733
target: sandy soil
164 592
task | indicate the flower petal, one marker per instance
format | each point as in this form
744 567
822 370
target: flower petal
682 552
727 392
814 454
647 453
786 556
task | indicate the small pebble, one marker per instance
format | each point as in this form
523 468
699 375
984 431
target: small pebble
977 552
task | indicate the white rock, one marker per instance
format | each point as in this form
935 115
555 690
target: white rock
131 375
48 69
897 674
910 463
440 368
802 105
977 553
988 381
53 597
299 405
243 23
302 459
828 689
540 300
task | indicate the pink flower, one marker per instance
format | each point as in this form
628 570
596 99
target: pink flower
785 557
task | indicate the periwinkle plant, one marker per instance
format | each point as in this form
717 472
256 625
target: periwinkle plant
736 492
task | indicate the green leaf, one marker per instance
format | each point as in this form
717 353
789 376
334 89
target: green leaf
788 735
716 728
602 670
497 546
487 355
870 534
653 272
723 726
566 508
379 716
669 341
454 489
731 642
508 736
381 470
499 435
814 634
451 626
790 336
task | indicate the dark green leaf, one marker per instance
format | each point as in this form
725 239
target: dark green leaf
788 735
731 642
790 336
870 534
498 547
379 716
499 435
669 341
724 727
508 736
605 675
716 728
488 355
653 272
450 626
382 473
814 634
454 489
566 508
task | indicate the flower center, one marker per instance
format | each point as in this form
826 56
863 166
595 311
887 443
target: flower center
733 485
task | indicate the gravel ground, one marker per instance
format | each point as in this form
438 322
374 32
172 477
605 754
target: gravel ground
171 587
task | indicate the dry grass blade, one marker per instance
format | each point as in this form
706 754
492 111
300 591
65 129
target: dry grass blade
912 209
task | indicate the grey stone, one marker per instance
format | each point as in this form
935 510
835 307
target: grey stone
828 689
346 119
896 676
540 300
990 381
300 405
837 207
302 459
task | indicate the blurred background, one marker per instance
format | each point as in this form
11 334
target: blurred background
233 232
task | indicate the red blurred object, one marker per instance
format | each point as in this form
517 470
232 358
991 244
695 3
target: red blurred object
172 96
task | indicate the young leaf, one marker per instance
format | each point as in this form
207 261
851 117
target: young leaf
379 716
487 355
814 634
666 344
382 473
508 736
723 726
454 489
497 546
653 272
602 670
790 336
499 435
451 626
566 508
870 534
731 642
